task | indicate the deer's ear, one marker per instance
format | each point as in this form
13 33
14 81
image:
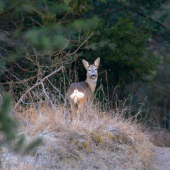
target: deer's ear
97 62
86 64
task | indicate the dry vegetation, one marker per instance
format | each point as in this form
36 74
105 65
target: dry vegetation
160 137
100 139
97 141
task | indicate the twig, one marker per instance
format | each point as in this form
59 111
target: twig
12 74
131 96
20 82
7 11
36 22
37 84
47 95
55 88
78 47
15 63
5 32
17 79
63 17
143 15
111 11
166 91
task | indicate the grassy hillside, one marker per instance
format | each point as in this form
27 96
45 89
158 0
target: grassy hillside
98 140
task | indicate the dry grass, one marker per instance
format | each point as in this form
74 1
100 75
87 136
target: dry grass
97 141
160 137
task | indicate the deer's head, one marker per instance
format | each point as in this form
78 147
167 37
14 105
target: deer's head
92 72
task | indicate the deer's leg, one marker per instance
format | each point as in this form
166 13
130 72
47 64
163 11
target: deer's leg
89 109
73 109
82 109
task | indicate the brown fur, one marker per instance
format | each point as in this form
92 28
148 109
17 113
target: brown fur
81 87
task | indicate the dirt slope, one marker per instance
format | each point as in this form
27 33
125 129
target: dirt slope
161 158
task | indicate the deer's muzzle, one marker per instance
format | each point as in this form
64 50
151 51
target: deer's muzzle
93 76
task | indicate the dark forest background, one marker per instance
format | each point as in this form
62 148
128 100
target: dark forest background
132 38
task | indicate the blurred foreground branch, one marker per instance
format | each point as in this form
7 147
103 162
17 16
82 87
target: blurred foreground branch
9 129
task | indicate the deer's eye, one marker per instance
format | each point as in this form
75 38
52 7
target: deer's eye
95 69
89 70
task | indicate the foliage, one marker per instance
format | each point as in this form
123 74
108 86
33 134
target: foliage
157 93
7 124
53 28
8 128
124 52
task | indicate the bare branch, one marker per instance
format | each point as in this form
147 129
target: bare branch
37 84
15 63
10 83
56 88
47 95
20 82
78 47
109 12
7 11
13 75
63 18
5 32
143 15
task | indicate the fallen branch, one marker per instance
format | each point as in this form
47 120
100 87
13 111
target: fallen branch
37 84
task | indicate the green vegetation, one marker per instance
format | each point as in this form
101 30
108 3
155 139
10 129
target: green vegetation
9 127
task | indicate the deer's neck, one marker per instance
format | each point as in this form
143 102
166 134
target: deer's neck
92 83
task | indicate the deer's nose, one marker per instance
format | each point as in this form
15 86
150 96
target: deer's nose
93 76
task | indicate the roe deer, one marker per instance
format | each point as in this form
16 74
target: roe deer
80 94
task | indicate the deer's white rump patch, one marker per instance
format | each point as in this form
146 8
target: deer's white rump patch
76 94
